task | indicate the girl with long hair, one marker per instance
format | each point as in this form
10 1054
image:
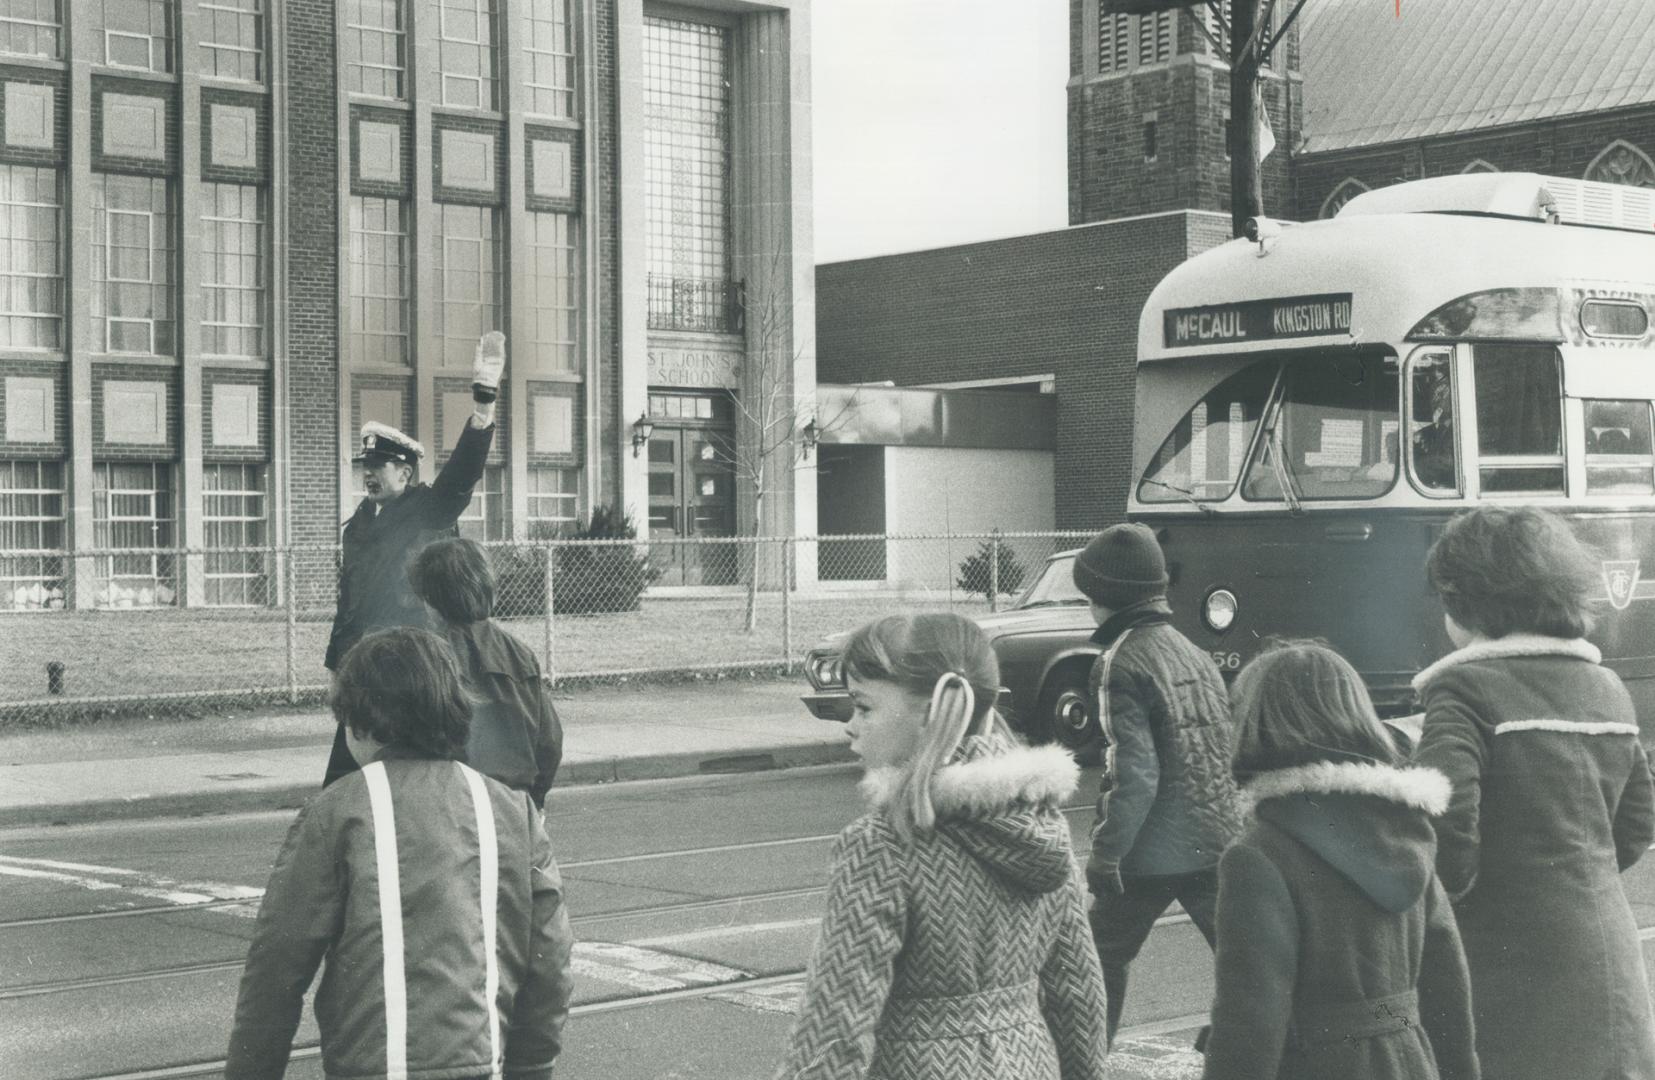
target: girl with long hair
955 943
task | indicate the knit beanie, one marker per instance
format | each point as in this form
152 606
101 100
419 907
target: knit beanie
1122 566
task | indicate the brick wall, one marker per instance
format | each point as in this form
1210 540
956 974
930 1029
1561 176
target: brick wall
312 274
1558 147
1064 304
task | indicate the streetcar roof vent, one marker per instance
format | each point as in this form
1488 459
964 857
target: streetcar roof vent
1527 196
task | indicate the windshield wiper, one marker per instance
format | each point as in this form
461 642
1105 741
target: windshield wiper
1184 493
1278 466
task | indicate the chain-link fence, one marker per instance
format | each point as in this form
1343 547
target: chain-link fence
126 630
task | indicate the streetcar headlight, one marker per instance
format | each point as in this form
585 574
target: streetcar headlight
1218 611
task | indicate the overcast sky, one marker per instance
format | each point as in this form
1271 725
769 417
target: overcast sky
937 122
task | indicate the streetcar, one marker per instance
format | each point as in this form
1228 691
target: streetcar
1315 401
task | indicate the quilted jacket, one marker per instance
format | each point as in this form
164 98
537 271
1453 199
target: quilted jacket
394 854
1337 951
1552 801
962 954
1168 799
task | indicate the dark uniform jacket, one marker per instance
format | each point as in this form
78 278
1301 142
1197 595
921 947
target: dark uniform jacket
1552 801
430 897
373 573
516 736
1168 804
1337 953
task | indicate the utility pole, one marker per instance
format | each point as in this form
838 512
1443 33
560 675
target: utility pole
1246 191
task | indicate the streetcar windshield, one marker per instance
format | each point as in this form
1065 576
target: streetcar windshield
1202 458
1333 434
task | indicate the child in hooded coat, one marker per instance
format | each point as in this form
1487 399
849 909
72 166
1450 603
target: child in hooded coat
1338 955
955 943
1552 802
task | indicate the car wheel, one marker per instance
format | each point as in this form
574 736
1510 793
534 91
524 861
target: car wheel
1064 713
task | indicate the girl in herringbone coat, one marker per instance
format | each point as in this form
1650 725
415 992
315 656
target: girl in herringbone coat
955 945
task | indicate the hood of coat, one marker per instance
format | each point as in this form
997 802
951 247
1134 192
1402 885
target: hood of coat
1369 822
1000 802
1512 645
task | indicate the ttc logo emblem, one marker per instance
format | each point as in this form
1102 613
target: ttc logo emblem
1621 579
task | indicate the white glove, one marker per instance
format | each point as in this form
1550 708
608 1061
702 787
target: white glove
487 368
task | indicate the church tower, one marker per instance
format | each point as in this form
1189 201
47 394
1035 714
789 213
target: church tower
1149 106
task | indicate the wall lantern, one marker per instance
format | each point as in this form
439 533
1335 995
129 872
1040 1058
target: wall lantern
642 429
810 435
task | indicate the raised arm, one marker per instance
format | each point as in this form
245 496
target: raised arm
451 490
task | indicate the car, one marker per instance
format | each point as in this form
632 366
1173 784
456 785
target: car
1044 645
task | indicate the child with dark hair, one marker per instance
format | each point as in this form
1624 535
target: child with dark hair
954 945
1337 950
429 889
516 736
1552 800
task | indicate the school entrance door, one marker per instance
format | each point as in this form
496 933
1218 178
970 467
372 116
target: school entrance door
692 487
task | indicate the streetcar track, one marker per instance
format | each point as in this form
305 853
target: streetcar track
208 905
1165 1026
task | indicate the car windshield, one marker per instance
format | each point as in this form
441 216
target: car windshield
1201 459
1055 585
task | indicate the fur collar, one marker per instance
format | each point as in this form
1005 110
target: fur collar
1421 788
1509 646
986 782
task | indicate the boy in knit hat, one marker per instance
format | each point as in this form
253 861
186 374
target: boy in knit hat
1167 805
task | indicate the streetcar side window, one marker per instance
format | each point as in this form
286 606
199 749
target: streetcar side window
1619 459
1201 459
1335 430
1519 418
1433 448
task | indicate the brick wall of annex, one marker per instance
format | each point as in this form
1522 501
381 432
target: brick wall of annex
312 164
1559 147
1061 303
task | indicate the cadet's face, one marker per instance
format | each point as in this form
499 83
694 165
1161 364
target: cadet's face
887 723
384 480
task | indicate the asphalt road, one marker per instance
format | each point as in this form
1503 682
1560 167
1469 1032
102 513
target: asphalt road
695 902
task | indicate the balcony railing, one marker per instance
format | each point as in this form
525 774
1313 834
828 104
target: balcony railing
711 305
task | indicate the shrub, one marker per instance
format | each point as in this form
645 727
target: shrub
599 578
976 576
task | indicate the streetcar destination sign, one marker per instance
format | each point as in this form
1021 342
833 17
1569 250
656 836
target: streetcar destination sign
1259 320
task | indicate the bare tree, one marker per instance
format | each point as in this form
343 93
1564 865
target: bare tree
773 414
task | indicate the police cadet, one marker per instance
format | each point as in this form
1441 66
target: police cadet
400 516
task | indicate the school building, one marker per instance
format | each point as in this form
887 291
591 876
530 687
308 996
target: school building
1355 98
234 230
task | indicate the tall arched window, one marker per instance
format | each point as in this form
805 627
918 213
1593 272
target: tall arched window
1348 189
1622 163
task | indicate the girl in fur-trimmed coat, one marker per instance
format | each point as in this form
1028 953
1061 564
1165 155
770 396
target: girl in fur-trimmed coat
1337 951
1552 800
955 944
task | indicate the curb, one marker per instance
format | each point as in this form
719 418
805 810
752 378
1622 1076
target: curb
288 796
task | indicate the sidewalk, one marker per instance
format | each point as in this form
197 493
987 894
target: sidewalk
268 760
